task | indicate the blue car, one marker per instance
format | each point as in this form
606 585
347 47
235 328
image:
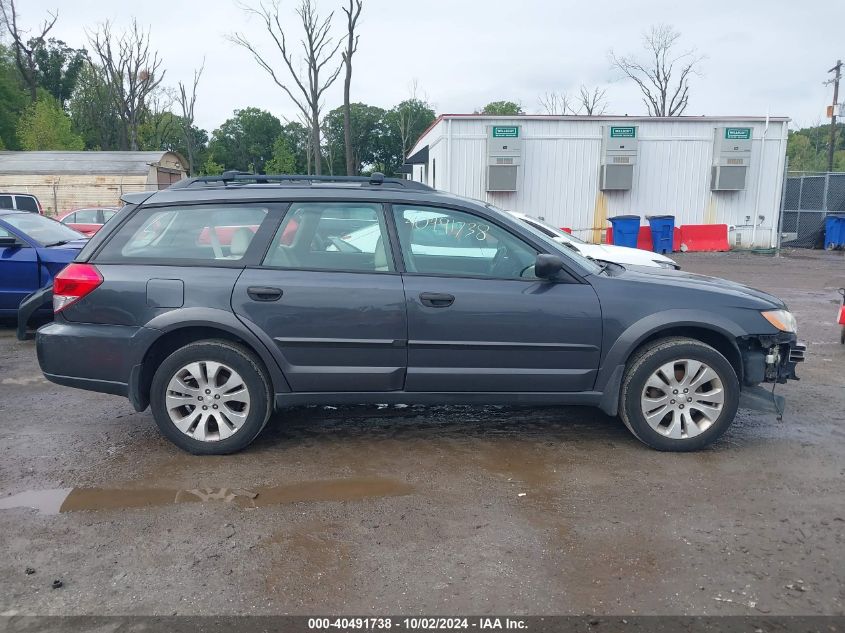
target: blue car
33 249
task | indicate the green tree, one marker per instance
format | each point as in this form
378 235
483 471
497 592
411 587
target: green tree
807 148
93 112
45 126
404 124
502 108
366 133
283 160
164 131
211 168
57 68
245 141
13 100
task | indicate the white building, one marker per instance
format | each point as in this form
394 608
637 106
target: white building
702 170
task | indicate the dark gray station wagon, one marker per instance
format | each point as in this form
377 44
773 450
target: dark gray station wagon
221 299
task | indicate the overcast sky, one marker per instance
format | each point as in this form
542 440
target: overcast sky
762 57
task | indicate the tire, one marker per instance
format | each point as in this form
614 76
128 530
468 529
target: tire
688 421
236 394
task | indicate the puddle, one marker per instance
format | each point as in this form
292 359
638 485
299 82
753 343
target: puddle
61 500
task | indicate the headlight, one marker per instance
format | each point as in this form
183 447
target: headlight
664 264
781 319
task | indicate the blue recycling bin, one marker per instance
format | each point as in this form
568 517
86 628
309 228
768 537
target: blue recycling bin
626 229
834 230
662 232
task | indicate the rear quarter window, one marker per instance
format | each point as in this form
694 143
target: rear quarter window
26 203
215 234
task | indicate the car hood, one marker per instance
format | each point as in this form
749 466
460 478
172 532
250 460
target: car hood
679 278
623 255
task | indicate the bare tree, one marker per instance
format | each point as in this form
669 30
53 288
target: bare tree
592 102
664 78
131 72
318 50
187 100
352 15
25 47
556 103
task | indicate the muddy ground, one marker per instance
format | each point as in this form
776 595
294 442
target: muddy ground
364 510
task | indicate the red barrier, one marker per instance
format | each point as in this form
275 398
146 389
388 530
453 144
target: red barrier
566 230
705 237
644 238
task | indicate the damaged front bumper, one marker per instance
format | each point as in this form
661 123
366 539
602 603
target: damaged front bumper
768 359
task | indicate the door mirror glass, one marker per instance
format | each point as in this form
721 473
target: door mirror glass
547 266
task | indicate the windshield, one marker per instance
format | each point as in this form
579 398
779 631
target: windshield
568 253
43 230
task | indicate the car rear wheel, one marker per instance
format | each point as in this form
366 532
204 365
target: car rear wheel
678 394
211 397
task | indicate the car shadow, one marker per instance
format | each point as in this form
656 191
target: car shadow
449 422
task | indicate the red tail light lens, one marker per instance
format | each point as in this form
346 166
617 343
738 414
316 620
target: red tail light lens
74 282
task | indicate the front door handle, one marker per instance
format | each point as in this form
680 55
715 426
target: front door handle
437 299
264 293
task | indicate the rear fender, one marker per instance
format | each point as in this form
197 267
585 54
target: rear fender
220 320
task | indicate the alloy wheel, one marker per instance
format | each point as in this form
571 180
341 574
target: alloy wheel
682 398
207 401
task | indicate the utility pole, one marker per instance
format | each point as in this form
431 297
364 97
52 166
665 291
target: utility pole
838 70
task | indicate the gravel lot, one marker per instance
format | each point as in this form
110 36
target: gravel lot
367 510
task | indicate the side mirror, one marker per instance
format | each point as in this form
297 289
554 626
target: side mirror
547 266
7 241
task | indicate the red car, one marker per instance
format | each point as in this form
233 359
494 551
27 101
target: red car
88 221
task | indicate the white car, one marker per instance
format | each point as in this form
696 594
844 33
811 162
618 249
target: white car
433 238
602 252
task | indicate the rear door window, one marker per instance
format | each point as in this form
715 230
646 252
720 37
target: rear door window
6 202
26 203
214 234
332 236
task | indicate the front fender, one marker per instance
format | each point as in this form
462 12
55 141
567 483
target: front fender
628 341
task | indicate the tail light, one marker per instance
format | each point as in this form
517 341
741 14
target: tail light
74 282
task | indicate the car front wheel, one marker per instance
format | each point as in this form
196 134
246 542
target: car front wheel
678 394
211 397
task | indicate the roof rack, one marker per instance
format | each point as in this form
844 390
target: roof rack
376 179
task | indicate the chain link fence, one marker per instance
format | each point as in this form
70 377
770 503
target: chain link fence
807 199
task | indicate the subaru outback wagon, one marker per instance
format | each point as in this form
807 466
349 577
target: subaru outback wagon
222 299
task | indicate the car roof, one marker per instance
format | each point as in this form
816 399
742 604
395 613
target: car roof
287 192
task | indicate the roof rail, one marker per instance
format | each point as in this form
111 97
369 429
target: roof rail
376 179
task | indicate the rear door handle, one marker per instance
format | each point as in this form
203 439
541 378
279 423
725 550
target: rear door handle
264 293
437 299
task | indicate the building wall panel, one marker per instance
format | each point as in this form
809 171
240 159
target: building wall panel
559 182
